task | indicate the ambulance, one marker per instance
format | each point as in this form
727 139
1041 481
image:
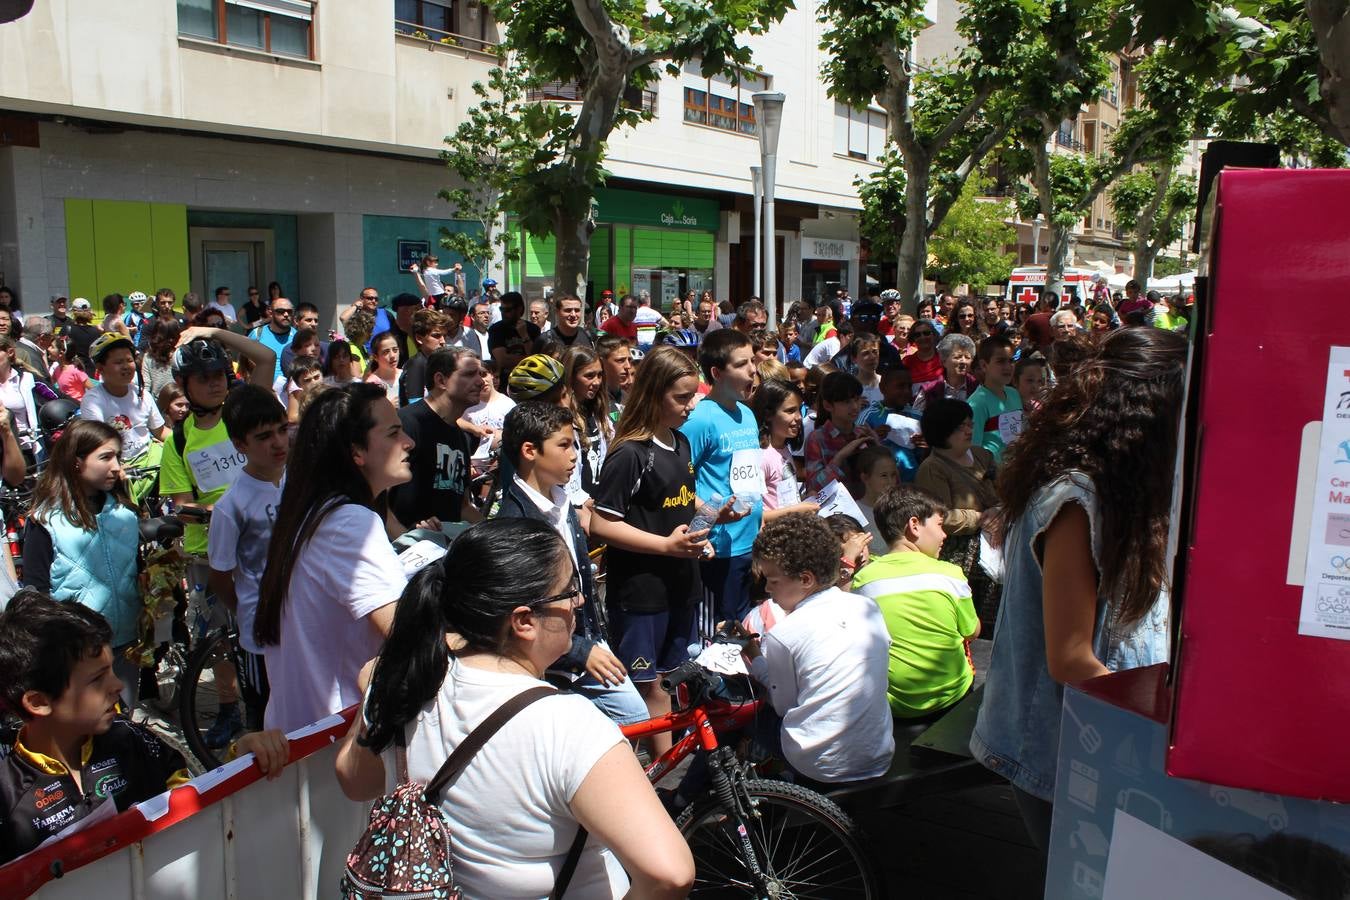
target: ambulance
1026 283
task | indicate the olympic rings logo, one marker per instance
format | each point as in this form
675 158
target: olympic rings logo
1341 564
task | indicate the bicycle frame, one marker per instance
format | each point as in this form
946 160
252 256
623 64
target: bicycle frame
705 720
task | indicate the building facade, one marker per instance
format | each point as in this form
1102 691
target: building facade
193 144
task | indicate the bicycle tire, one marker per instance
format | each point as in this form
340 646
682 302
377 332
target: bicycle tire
808 846
197 697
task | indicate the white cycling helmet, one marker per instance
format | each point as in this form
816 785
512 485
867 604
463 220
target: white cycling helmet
136 298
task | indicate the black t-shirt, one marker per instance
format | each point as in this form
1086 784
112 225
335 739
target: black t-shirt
580 339
651 488
127 765
507 336
82 338
412 384
440 468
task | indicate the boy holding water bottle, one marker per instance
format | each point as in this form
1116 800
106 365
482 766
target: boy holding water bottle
724 448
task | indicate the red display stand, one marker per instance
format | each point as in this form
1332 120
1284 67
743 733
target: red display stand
1261 685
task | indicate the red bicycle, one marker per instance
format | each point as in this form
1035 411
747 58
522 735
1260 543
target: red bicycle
752 837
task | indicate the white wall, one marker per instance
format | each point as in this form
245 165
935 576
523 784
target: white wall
329 191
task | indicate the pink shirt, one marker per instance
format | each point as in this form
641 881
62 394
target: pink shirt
72 382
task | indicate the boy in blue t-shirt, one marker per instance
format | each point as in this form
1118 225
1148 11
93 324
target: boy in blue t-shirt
725 453
996 407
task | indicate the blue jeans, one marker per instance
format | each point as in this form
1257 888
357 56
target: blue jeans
621 702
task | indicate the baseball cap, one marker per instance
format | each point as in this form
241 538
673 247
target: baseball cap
401 300
80 303
606 293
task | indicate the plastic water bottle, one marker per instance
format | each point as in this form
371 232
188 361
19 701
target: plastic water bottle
705 515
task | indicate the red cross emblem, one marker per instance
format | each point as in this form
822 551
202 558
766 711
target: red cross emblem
1028 295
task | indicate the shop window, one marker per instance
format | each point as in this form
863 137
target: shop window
859 133
281 27
453 22
722 102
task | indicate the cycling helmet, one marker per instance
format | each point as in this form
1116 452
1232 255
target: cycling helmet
683 338
489 282
106 343
136 298
202 356
54 415
889 294
535 376
635 354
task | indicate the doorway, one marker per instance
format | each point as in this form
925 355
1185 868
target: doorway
234 258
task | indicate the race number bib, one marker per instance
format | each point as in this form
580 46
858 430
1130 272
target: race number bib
747 478
1010 425
215 467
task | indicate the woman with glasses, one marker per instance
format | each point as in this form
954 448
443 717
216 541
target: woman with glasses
473 631
924 364
965 319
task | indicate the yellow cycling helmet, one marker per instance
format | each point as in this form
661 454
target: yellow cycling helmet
106 343
535 376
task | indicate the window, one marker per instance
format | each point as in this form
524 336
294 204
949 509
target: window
281 27
1111 93
859 133
719 103
454 22
570 92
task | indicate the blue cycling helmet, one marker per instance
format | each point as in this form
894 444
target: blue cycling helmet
683 338
489 282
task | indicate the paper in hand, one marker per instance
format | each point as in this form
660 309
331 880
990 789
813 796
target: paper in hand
835 498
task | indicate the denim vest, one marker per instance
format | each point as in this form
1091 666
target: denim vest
98 568
1017 732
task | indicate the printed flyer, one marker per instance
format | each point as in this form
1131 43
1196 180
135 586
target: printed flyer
1326 585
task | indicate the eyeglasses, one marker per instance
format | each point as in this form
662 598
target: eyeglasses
282 311
368 297
922 334
575 595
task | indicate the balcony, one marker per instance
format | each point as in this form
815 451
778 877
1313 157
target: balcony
571 92
445 38
1068 141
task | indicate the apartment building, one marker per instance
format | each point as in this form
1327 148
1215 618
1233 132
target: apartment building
193 144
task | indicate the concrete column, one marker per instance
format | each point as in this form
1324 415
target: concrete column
331 262
24 241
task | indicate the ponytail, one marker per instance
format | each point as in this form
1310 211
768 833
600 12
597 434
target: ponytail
413 661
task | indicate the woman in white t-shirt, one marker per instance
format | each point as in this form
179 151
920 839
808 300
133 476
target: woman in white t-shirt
384 365
326 599
556 766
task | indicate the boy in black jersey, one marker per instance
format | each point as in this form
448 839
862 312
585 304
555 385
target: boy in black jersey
75 752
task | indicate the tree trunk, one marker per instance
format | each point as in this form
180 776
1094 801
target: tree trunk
572 253
1331 30
1145 250
1057 259
1145 254
912 255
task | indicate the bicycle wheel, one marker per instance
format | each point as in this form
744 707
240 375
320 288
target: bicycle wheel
806 845
199 697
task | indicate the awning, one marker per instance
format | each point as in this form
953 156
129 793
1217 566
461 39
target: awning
1105 268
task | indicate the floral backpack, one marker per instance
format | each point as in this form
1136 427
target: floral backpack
405 849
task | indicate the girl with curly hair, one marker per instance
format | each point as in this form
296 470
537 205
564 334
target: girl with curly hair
1086 497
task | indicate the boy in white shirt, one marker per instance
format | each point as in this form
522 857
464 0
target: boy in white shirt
241 529
825 664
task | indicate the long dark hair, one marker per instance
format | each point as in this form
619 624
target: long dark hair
59 488
322 477
1114 417
491 578
766 403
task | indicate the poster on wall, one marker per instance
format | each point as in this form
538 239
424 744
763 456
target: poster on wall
411 252
1326 580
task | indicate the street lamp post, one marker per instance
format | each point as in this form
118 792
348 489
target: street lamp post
769 118
757 182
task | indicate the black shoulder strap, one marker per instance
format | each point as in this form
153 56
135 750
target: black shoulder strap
180 445
470 746
569 865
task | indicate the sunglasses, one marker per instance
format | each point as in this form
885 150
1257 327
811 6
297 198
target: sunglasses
922 334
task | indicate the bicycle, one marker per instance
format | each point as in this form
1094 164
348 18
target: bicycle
753 837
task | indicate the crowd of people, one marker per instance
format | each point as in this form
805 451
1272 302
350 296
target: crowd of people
834 486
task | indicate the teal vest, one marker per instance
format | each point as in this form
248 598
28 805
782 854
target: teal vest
98 568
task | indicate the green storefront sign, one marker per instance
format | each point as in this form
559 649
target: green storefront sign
655 210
